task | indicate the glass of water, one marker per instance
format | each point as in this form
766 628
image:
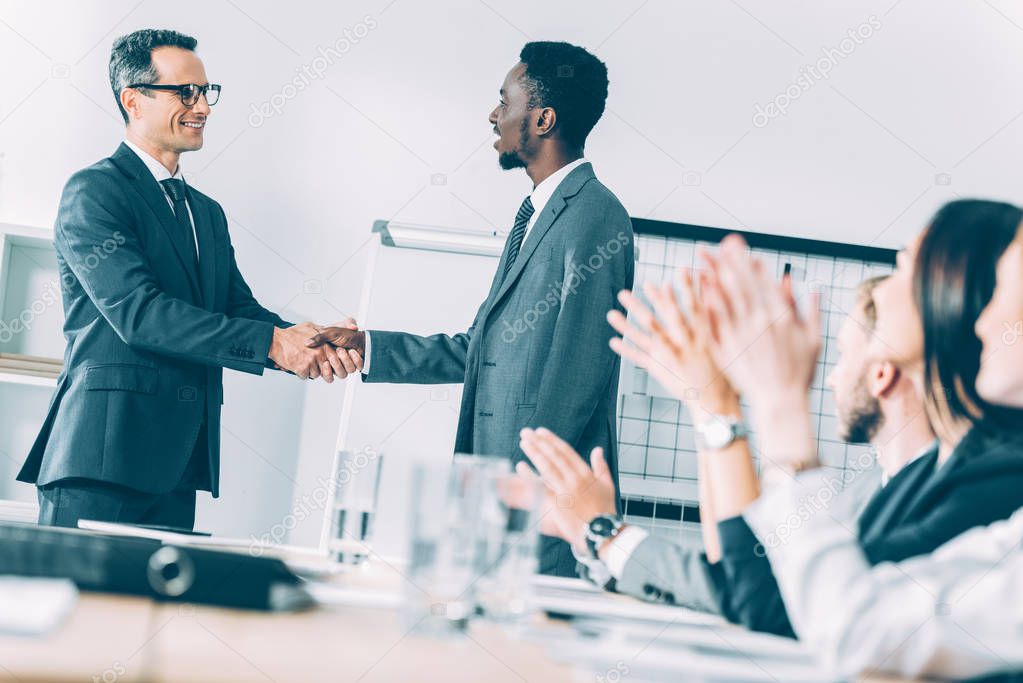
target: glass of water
457 523
356 485
504 588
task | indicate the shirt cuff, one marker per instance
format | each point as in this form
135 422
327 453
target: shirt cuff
367 352
621 548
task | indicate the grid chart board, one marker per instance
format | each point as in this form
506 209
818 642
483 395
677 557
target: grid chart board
657 455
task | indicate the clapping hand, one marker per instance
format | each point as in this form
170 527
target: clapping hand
674 346
768 349
761 340
576 493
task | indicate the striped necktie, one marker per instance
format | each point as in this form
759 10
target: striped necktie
517 233
176 189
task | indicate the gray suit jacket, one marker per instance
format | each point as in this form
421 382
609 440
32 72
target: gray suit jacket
147 336
537 352
670 572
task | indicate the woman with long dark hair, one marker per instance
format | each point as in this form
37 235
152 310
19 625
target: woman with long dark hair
952 275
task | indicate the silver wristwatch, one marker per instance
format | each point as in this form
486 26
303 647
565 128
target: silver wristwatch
719 431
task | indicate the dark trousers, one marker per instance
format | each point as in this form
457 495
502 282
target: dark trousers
64 502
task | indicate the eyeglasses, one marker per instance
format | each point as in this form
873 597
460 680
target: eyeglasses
189 92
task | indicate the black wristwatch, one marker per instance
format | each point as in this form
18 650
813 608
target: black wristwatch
600 529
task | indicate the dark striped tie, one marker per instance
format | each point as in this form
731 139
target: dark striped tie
517 233
176 189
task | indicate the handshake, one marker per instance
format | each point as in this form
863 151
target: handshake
311 351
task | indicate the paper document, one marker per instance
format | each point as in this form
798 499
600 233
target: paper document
31 607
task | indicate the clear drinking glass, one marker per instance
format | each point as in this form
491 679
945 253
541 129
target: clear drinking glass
458 524
356 487
503 590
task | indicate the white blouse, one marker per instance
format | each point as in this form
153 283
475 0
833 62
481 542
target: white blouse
955 613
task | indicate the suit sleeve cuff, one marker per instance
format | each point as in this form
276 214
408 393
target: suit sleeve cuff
259 336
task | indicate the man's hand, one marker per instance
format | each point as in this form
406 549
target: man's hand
288 351
578 493
674 346
347 339
768 348
765 345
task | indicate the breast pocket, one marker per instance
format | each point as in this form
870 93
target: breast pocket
121 377
543 254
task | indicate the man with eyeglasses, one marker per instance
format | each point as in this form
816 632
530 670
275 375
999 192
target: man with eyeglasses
155 308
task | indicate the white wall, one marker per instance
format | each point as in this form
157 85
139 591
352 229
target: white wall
926 109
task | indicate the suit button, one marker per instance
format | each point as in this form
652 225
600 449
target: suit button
669 598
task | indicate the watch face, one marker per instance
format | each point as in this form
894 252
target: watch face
602 526
717 432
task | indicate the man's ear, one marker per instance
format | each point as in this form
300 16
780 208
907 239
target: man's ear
130 101
884 377
545 121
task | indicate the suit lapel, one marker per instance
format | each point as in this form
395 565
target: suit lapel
207 247
892 503
567 189
152 193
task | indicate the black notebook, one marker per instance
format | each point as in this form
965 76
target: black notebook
149 568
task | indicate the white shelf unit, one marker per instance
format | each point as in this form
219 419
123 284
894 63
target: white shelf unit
27 380
31 318
31 313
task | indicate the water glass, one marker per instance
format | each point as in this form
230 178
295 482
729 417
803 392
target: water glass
356 486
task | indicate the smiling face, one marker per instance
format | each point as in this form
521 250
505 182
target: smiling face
159 116
898 336
511 120
1000 329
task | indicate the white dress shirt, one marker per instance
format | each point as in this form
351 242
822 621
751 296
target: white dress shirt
541 194
956 613
621 548
160 173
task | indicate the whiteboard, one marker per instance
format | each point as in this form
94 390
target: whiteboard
657 451
422 292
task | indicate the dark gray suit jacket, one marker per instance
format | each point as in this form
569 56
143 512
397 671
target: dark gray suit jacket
147 336
537 353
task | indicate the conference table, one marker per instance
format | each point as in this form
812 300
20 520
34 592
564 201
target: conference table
116 638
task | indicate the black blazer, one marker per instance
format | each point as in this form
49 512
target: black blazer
147 335
921 508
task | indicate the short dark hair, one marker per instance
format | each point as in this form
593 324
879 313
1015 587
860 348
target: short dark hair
571 81
131 58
